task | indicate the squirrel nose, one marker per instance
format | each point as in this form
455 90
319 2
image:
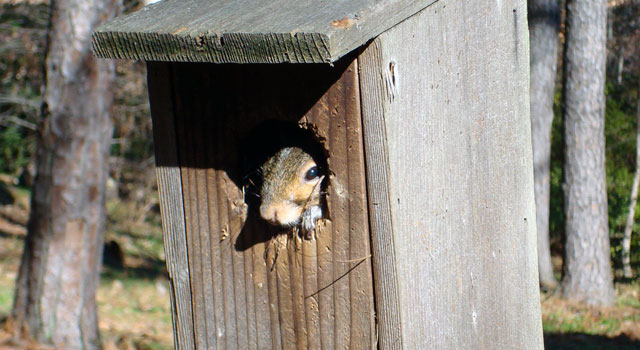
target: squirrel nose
284 214
269 213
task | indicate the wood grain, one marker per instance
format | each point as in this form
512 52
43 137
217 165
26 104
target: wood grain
449 147
249 31
253 285
171 202
371 75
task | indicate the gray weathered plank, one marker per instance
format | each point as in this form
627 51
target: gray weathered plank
199 234
249 31
371 72
171 199
450 88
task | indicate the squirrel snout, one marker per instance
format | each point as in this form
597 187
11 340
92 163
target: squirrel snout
291 186
284 213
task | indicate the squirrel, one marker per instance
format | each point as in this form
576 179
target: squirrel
291 189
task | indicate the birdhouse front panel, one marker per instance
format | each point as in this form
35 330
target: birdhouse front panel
252 283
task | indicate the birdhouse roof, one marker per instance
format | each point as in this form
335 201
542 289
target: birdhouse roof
250 31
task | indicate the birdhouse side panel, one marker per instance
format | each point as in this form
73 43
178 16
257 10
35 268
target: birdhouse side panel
447 134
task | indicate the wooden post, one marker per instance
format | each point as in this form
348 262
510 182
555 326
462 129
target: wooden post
423 116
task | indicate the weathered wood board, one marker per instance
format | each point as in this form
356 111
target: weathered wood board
247 289
171 201
449 171
249 31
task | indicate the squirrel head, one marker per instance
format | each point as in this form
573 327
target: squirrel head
290 191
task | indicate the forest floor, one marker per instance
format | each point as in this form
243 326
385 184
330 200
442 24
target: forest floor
134 308
569 325
133 298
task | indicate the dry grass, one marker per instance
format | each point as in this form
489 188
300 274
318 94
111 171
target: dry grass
135 314
571 325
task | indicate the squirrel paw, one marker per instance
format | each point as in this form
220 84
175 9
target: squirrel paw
309 218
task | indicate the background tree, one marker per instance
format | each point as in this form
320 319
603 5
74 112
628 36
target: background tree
59 271
587 270
544 18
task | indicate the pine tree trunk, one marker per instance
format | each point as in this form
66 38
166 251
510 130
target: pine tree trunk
628 227
59 271
544 17
587 268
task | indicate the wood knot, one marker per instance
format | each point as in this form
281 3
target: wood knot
344 23
200 41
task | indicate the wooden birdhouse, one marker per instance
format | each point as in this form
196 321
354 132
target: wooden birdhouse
418 112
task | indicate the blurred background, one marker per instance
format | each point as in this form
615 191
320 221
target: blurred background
133 297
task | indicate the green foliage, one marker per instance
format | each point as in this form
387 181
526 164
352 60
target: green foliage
22 38
140 148
556 200
6 299
620 134
620 131
15 149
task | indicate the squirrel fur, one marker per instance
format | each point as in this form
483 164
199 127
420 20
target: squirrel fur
290 192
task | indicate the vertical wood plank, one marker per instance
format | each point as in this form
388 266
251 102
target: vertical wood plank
338 199
254 285
359 262
349 248
197 235
261 296
227 263
171 202
274 302
216 313
297 294
371 67
323 291
310 286
285 295
449 147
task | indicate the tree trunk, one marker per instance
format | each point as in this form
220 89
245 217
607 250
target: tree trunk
544 17
59 271
628 227
587 269
620 65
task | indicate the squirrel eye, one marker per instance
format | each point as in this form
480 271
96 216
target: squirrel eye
312 173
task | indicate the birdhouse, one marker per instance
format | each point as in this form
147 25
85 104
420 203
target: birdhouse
416 112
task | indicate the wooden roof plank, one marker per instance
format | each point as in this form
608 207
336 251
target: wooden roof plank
250 31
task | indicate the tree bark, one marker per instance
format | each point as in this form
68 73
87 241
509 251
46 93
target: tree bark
544 18
587 268
628 227
59 272
620 65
